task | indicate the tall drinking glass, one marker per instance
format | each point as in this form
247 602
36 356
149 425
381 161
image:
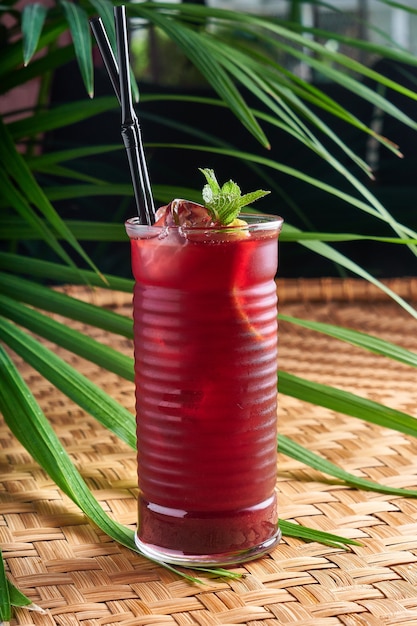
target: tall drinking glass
205 335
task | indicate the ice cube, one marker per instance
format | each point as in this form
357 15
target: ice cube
183 213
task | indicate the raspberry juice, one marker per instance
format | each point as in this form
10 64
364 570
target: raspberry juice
205 335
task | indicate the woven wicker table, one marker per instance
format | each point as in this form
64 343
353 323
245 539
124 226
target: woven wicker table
80 576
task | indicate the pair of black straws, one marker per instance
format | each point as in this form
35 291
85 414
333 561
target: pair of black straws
119 74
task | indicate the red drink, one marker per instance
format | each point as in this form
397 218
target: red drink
205 322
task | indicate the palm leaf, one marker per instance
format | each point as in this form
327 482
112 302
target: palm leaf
290 234
77 342
12 54
34 432
340 259
30 192
342 61
294 91
356 338
73 384
60 156
190 42
374 207
264 82
290 529
357 87
65 192
81 36
5 605
62 115
33 19
48 270
388 50
285 32
347 403
407 235
37 68
39 227
66 172
299 130
44 298
17 598
290 448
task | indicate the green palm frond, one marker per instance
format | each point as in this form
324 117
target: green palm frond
33 19
81 35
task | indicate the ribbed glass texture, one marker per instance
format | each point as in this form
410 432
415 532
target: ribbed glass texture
206 390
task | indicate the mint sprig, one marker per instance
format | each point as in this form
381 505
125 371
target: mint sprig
225 203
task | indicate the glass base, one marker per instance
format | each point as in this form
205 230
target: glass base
203 560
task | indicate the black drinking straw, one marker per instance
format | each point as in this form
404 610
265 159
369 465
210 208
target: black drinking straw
106 52
132 139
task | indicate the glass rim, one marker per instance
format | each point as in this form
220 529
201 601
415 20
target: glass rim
255 221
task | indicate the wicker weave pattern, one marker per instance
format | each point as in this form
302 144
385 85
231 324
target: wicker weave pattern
79 576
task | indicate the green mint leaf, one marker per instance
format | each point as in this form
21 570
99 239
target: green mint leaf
224 203
211 180
231 189
248 198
